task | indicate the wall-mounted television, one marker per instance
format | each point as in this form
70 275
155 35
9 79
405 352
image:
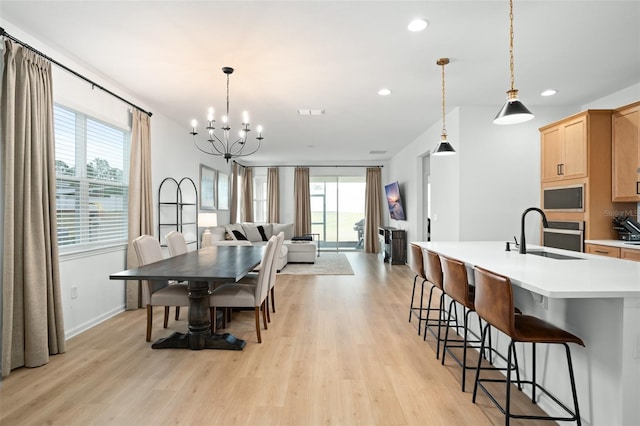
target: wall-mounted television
396 208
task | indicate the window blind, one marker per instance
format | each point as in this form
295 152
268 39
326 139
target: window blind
91 180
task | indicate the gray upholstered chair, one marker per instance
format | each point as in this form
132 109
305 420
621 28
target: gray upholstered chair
236 295
157 292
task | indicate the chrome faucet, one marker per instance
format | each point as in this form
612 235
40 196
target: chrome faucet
523 242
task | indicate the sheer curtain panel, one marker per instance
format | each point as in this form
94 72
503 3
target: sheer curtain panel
140 197
302 195
372 210
273 195
32 324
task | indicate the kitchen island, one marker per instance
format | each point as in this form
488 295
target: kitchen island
595 297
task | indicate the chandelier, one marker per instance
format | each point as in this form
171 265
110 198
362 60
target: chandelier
225 145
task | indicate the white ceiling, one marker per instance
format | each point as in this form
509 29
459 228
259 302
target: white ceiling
336 55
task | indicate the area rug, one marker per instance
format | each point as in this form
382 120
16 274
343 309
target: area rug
326 264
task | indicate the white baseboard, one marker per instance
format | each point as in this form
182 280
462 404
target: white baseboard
68 334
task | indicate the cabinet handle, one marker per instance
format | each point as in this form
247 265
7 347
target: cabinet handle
562 169
602 251
638 188
558 169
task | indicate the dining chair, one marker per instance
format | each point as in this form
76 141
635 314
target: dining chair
157 292
416 265
176 243
235 295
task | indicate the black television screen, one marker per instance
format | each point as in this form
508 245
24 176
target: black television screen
396 209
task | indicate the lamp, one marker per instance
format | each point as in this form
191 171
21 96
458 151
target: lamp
225 146
513 111
444 147
207 220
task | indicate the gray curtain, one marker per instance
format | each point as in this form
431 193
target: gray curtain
233 208
140 197
372 210
273 195
32 324
246 199
302 196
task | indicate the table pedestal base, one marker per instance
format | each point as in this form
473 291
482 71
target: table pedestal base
200 341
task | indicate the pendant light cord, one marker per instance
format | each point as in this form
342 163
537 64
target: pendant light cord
444 126
511 66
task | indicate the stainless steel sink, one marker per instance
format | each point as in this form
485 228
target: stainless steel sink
553 255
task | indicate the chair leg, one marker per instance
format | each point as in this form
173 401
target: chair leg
177 313
257 315
166 317
413 292
446 334
475 385
573 385
420 311
507 409
266 308
149 321
264 314
273 299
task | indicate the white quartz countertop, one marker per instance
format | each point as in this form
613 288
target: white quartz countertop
615 243
590 276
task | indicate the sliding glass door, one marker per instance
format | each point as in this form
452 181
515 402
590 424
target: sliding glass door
337 211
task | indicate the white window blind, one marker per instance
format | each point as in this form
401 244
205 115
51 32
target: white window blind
92 161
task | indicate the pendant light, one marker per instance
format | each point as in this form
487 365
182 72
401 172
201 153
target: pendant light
513 110
444 147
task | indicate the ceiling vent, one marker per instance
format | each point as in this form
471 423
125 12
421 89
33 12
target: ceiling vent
307 111
377 152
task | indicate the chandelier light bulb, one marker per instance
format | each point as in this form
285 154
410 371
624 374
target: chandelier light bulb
259 128
194 124
245 117
210 114
225 119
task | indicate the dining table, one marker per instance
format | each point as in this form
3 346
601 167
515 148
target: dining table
199 268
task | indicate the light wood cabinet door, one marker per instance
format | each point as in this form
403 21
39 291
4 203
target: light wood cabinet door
552 154
602 250
575 149
564 150
626 154
630 254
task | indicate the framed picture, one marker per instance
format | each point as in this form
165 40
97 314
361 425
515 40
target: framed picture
207 188
223 191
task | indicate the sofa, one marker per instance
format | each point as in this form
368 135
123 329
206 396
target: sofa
259 234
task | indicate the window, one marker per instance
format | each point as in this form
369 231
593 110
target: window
260 199
92 180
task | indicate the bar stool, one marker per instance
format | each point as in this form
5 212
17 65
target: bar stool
456 286
494 304
416 264
433 273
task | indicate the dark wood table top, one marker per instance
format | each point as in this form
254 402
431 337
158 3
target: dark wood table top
206 264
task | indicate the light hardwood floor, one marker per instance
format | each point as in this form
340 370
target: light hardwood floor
339 351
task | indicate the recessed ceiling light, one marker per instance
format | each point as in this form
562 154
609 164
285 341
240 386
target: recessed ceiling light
549 92
418 25
384 92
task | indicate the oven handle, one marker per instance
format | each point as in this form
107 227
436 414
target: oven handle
563 231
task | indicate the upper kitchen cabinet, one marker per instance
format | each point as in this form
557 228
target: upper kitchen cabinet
626 153
568 145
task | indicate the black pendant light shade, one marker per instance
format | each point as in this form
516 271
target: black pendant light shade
513 111
444 148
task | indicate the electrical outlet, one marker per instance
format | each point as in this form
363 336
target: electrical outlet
74 292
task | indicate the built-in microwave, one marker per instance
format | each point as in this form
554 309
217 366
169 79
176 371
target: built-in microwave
563 198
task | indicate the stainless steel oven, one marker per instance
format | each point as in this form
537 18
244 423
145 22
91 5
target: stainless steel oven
567 235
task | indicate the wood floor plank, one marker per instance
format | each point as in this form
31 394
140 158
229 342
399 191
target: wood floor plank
338 351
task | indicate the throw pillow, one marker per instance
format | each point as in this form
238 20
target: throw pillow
287 228
251 231
235 227
239 235
262 234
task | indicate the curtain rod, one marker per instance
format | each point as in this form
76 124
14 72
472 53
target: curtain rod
311 165
93 84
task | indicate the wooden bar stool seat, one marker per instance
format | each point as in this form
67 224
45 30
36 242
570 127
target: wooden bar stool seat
494 304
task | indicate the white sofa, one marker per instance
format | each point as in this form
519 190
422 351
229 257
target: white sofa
259 233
